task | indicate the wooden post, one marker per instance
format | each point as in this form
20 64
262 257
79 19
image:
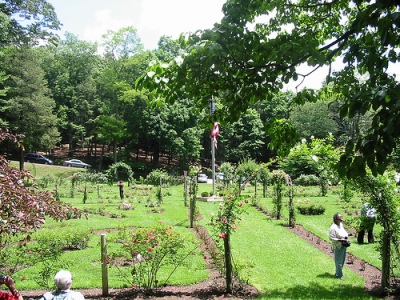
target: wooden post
185 188
104 265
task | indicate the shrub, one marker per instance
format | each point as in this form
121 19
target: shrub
158 176
204 194
311 209
307 180
152 249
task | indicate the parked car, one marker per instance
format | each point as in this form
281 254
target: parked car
37 158
76 163
202 178
220 177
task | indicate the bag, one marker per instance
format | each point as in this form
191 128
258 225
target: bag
346 243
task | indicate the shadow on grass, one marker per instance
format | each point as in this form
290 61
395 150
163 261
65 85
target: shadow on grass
343 290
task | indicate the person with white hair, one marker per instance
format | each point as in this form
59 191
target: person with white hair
63 282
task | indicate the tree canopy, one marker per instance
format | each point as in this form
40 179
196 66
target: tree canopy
25 21
259 45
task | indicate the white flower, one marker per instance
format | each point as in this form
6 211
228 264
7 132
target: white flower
151 73
179 60
315 158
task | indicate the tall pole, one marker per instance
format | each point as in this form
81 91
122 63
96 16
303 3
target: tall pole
213 164
212 110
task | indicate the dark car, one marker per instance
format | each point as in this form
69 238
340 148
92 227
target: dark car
37 158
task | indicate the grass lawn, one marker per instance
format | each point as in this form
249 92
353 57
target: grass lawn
277 262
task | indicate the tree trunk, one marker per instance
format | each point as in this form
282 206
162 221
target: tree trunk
386 256
101 157
156 155
228 263
115 152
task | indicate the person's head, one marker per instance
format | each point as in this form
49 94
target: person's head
337 218
63 280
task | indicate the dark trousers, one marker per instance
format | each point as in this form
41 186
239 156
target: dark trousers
367 225
361 234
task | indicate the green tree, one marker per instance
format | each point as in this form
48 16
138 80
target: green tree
124 60
243 139
319 157
381 193
71 71
110 130
167 49
25 21
313 119
246 172
228 170
27 107
248 60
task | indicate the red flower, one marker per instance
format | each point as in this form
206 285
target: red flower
240 204
222 235
149 249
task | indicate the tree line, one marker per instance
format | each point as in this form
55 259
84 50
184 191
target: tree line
65 92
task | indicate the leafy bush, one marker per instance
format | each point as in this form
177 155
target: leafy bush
307 180
157 176
312 209
151 249
204 194
66 239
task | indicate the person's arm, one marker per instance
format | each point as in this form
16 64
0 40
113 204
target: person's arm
332 234
9 282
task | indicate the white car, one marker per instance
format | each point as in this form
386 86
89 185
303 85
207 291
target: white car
202 178
220 177
76 163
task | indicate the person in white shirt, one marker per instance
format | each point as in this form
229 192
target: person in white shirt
63 281
338 235
367 224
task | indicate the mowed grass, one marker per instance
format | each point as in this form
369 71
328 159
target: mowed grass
270 257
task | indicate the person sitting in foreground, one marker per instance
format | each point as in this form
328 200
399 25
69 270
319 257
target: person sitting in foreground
9 282
63 281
